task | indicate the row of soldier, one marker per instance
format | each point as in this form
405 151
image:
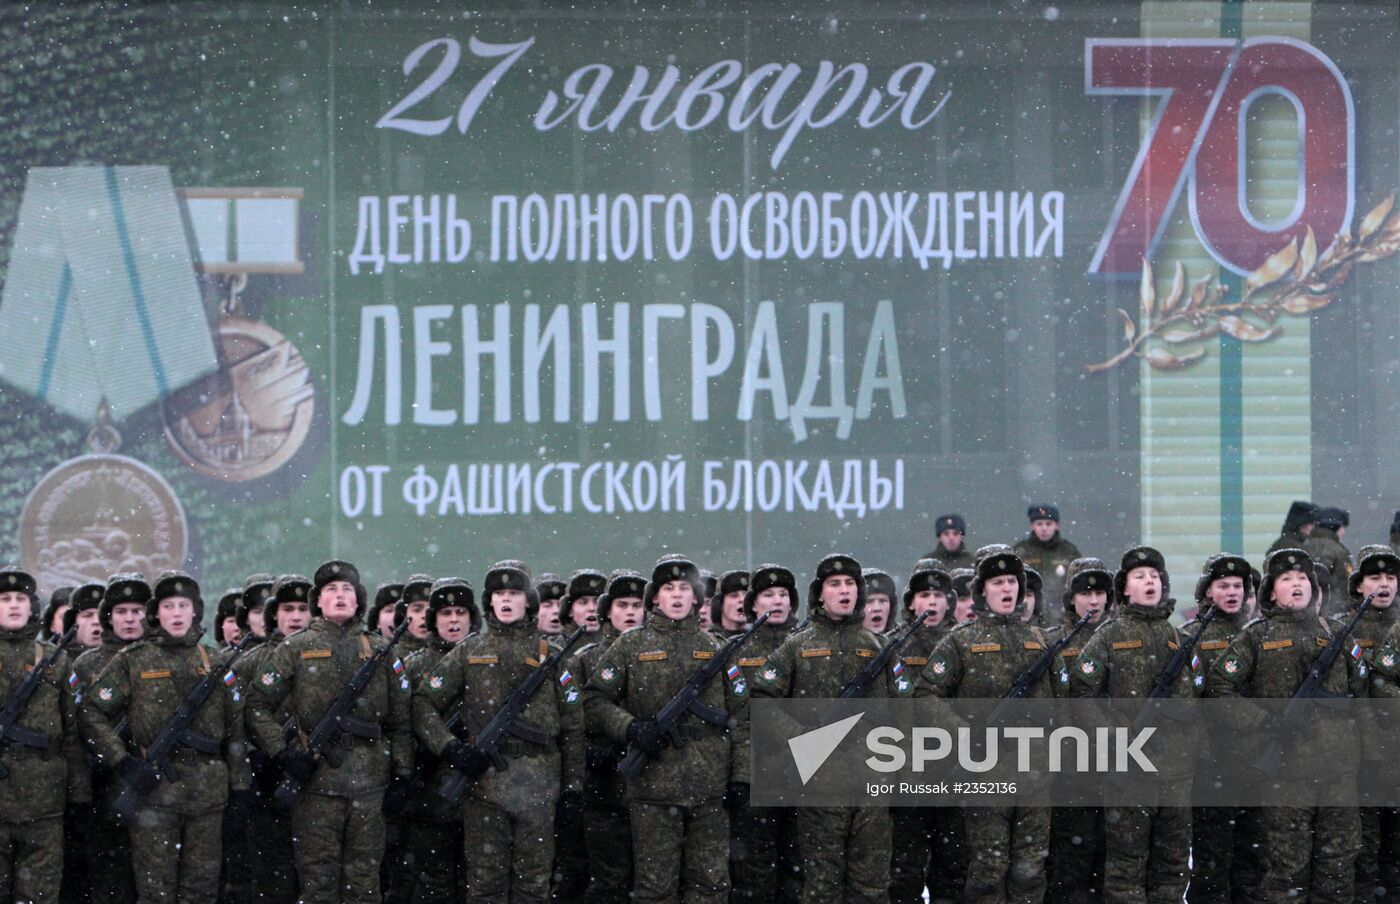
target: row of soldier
84 738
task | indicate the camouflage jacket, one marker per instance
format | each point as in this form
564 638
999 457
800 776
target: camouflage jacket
1271 656
474 678
983 659
637 675
751 656
86 668
427 805
823 658
1070 654
1287 540
1051 560
1215 641
40 780
958 558
146 682
266 775
1324 547
303 675
923 642
602 783
225 653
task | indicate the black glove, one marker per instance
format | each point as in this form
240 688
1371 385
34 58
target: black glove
466 758
137 773
645 735
736 795
299 764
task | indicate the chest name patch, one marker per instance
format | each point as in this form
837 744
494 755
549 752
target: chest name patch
986 648
652 656
483 660
1127 645
703 654
814 653
1277 644
1214 644
159 673
316 654
752 662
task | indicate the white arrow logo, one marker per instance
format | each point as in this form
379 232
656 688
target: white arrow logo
810 750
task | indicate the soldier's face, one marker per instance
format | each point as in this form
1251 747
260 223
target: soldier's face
705 618
1383 586
839 595
776 600
127 620
1228 594
1094 601
230 628
89 628
385 623
934 601
950 539
338 602
625 612
1001 592
1028 608
547 620
1044 529
14 610
1292 590
293 617
877 612
1144 586
453 623
675 599
733 609
418 619
56 623
962 612
175 615
508 605
583 612
256 624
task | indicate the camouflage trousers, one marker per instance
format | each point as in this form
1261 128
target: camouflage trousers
1224 863
176 856
845 853
31 860
110 859
1146 857
570 878
510 856
338 842
273 868
764 865
930 851
1311 853
1008 847
680 852
1378 860
1075 868
608 834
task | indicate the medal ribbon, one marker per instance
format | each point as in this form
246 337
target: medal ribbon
100 301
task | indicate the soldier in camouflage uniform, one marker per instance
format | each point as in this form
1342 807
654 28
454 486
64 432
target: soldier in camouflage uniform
951 552
962 594
982 660
1032 611
1047 551
1147 846
122 614
1223 845
395 872
78 818
549 618
764 862
1077 833
337 819
578 608
608 833
1376 575
44 760
1309 852
880 593
1325 547
176 842
1372 572
930 849
285 610
727 605
257 589
845 850
1297 526
680 827
384 610
51 623
226 630
507 817
434 843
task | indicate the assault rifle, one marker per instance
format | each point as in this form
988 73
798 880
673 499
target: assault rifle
1032 675
11 732
176 731
338 719
1166 679
687 700
507 721
1310 689
860 685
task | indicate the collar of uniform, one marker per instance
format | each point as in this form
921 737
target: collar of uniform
436 642
1146 613
1033 540
326 626
1323 533
28 632
162 639
768 629
1306 614
819 617
659 622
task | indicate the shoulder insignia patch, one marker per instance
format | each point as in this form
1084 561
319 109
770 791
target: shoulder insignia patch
1231 666
435 682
